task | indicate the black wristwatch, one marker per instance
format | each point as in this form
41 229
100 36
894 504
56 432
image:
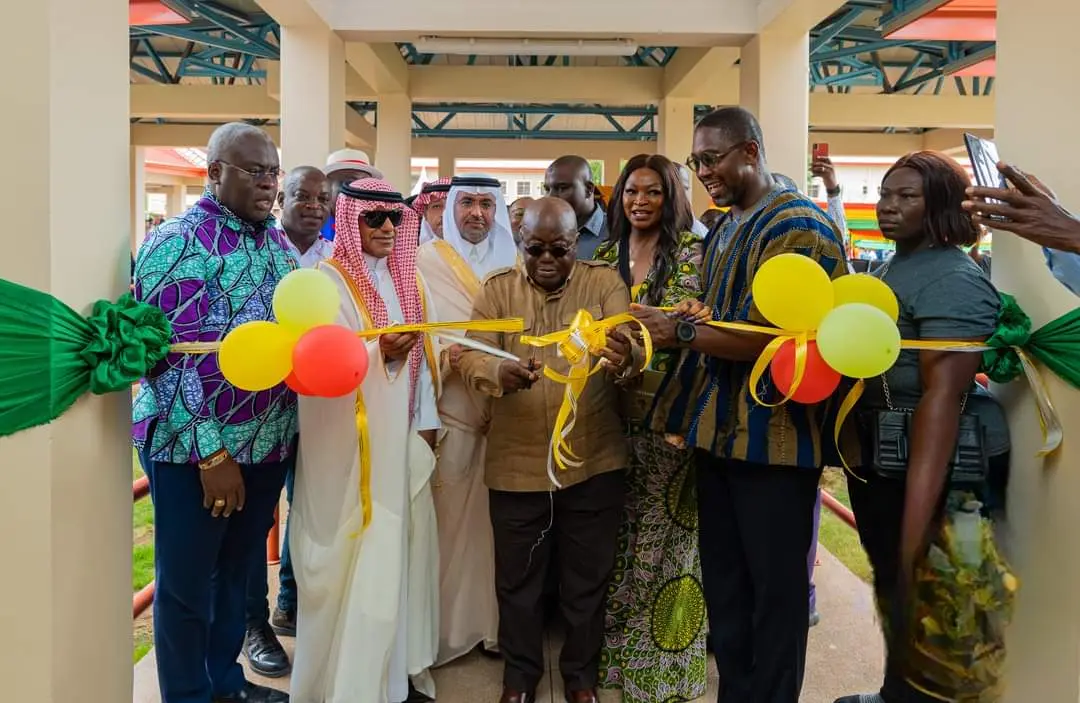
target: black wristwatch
833 193
685 333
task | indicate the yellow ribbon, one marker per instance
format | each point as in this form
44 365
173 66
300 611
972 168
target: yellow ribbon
514 324
578 343
509 324
1049 421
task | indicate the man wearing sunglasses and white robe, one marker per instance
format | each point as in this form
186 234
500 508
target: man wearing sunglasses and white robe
477 240
362 530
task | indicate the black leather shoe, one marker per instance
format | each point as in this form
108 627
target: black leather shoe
284 622
417 697
254 693
264 653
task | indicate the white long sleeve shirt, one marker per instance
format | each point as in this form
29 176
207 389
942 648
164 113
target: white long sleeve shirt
426 411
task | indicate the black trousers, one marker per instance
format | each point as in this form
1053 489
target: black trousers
755 526
879 510
583 520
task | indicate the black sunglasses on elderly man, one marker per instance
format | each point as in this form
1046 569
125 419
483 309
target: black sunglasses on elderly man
375 218
537 250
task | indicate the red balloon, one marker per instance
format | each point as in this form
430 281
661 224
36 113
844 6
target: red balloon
819 379
293 382
329 361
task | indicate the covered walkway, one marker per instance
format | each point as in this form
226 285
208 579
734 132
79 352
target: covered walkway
845 654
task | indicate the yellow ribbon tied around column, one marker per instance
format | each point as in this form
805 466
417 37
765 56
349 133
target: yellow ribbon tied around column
578 344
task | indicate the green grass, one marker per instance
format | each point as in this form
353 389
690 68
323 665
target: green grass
142 560
835 535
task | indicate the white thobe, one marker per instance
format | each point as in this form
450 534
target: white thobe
368 598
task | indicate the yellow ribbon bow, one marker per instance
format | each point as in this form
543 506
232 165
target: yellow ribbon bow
585 338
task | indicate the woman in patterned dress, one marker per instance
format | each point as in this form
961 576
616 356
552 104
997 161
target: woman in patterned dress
655 624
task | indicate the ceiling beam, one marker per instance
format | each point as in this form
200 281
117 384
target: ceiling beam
693 70
381 66
358 131
203 102
536 84
862 111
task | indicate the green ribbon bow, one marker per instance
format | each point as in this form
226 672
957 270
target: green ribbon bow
51 355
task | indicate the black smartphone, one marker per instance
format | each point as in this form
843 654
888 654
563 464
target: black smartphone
984 160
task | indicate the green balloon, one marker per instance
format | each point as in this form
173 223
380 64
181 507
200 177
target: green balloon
858 340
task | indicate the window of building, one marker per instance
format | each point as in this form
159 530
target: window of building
524 188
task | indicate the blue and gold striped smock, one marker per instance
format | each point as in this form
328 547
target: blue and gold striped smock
707 399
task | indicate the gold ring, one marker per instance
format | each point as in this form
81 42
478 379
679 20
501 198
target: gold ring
220 502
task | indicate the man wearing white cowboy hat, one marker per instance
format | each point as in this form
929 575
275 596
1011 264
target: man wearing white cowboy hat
345 166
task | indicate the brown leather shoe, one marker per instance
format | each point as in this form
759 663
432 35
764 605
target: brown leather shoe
584 695
509 695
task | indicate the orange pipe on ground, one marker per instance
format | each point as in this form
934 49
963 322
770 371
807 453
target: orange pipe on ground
273 540
838 509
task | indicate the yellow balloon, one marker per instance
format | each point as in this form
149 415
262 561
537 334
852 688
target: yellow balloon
859 340
306 298
256 355
793 292
864 288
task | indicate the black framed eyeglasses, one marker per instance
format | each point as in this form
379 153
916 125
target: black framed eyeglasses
376 218
710 159
537 250
257 174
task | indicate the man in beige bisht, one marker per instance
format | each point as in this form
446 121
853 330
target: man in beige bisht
476 240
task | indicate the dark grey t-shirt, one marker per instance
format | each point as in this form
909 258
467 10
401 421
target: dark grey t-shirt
943 294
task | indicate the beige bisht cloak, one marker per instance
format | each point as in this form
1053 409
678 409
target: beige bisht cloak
468 610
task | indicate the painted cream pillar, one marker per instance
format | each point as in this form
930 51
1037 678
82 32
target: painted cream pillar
174 204
393 155
137 190
1036 121
312 94
675 140
65 508
774 70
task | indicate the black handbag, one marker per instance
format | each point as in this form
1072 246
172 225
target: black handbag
891 444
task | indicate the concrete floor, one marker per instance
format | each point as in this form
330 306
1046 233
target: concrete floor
845 654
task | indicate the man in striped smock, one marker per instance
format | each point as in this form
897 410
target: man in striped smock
757 467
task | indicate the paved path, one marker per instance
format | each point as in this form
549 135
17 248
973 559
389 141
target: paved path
844 656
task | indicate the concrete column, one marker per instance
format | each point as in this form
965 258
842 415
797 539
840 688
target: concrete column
312 94
394 133
65 508
175 203
611 170
1044 641
446 165
774 71
137 190
675 128
675 140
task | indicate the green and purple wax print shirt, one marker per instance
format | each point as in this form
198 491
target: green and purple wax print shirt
210 271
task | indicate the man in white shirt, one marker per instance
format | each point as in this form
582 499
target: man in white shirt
305 206
474 221
477 240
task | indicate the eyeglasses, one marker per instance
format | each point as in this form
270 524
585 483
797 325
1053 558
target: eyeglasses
376 218
537 250
710 159
257 174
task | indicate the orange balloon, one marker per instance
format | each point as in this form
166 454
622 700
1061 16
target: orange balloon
819 380
330 361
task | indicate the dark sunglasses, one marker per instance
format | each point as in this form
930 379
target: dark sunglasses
375 218
710 159
537 250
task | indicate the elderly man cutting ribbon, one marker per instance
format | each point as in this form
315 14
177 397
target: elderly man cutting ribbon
528 515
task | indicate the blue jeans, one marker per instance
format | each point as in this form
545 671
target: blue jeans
258 590
202 570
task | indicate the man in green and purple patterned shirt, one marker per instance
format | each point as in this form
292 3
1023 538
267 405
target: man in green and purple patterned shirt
216 456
